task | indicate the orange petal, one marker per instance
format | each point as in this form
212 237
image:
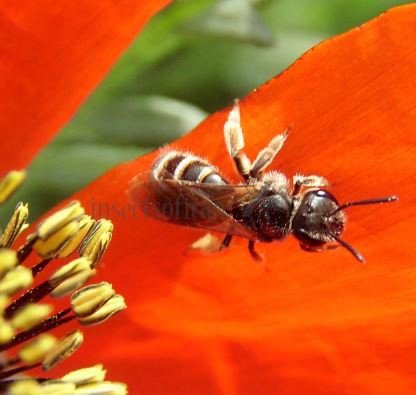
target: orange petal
53 54
299 323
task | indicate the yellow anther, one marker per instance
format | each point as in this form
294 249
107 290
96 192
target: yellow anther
4 302
30 315
71 276
35 351
112 306
59 219
16 225
10 183
25 387
6 331
63 349
101 227
89 299
52 246
100 247
8 260
92 374
85 223
56 387
15 280
103 388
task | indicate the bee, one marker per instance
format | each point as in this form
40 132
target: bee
184 189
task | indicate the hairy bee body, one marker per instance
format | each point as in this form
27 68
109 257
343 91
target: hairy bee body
267 215
266 210
184 166
185 189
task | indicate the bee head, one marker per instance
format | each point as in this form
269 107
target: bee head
320 219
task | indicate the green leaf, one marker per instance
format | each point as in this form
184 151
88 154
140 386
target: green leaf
235 19
144 121
155 43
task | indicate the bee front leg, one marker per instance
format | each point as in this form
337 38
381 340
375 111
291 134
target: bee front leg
234 141
312 181
254 254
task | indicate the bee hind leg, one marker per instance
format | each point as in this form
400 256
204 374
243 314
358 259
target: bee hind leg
234 142
266 156
254 254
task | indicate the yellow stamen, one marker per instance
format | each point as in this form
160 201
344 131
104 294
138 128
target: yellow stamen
25 387
36 351
4 302
85 224
58 236
99 249
30 315
92 374
10 183
97 240
112 306
8 260
16 225
53 245
59 219
89 299
55 387
6 331
71 276
103 388
63 349
15 280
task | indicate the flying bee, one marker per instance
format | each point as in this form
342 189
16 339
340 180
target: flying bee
185 189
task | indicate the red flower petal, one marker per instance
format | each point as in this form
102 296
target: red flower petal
53 55
299 323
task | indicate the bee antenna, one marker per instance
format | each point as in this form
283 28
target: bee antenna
387 199
349 247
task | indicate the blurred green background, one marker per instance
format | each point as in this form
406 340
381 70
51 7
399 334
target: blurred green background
193 58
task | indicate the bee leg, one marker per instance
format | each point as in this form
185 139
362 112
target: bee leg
312 181
226 242
207 243
266 156
254 254
234 142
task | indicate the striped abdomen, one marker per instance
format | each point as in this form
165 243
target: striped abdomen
186 167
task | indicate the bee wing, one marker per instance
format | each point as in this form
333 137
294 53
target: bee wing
225 196
188 203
